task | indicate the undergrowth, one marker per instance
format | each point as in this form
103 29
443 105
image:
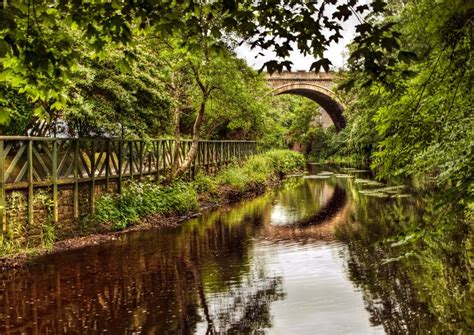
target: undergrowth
139 199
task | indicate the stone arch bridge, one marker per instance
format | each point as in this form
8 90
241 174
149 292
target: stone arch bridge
315 86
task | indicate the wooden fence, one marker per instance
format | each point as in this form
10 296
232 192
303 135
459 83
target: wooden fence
30 163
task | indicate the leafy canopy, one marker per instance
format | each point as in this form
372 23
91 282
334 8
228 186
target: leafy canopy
38 52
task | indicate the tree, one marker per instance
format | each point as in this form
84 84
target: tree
104 101
422 111
38 54
220 78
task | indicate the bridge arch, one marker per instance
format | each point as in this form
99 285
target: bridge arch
319 94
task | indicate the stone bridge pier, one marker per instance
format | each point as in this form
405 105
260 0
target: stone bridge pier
315 86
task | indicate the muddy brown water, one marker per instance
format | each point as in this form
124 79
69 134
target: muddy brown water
267 265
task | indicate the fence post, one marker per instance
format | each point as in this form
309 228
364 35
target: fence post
226 152
196 159
130 159
54 176
120 163
205 157
157 154
3 220
222 154
30 182
107 166
92 188
76 179
149 155
237 150
163 155
213 156
141 160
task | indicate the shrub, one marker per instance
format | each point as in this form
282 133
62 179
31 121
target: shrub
260 168
234 176
285 161
140 199
204 183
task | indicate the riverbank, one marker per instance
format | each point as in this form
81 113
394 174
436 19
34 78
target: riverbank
148 205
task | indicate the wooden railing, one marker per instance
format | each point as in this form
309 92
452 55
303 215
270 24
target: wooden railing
28 163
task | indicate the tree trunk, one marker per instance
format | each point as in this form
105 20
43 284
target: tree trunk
177 141
196 135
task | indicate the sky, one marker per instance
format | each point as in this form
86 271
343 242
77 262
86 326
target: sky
300 62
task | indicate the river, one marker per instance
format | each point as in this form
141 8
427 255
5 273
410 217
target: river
298 260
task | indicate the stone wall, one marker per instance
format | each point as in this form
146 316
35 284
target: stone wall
17 227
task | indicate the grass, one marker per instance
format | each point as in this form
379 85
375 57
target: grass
140 199
145 198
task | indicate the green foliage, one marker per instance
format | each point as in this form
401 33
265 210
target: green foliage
259 169
287 120
426 248
235 109
11 240
285 161
139 199
203 183
237 178
322 144
106 101
419 121
38 40
20 114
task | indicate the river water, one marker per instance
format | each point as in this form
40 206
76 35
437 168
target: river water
296 260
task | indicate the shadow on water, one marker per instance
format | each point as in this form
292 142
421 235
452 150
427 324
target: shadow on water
268 265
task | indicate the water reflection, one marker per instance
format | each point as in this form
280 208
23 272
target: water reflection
269 265
429 289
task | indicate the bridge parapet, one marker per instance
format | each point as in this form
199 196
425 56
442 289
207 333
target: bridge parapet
324 79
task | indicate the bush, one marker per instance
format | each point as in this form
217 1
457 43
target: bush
234 176
260 168
140 199
204 183
285 161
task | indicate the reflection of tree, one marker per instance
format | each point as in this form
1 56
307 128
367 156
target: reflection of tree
255 312
423 293
145 282
241 310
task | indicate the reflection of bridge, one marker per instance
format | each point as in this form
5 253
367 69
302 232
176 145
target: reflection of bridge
315 86
318 226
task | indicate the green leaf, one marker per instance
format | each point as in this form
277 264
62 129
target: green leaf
5 115
323 62
3 48
123 66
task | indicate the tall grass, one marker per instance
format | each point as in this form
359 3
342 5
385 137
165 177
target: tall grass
140 199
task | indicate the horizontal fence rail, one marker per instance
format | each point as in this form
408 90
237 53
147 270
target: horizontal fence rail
30 163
